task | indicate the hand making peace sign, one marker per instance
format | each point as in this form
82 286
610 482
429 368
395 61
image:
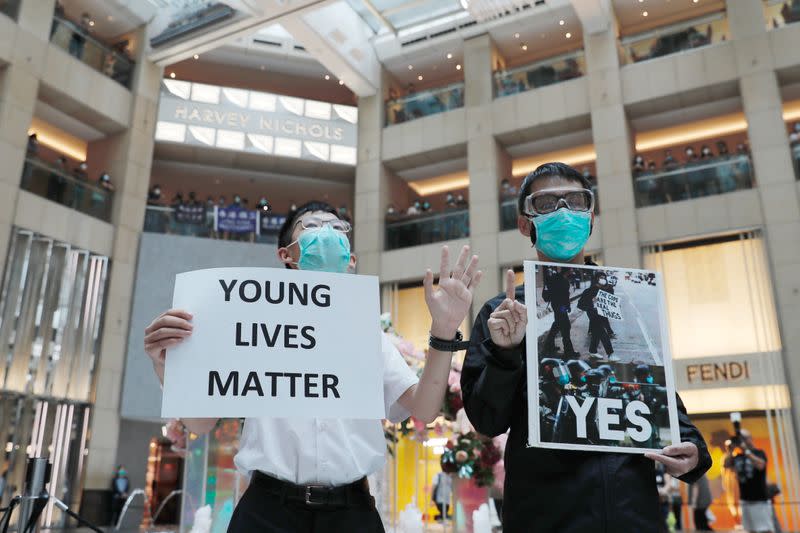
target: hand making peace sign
509 320
450 304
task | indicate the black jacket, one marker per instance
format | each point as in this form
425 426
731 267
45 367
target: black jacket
554 490
556 290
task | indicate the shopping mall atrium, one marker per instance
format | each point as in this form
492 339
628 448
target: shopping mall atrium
131 131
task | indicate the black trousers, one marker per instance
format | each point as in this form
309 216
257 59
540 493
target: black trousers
598 334
562 325
700 520
264 512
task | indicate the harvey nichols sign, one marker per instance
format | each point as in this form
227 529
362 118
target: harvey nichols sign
238 119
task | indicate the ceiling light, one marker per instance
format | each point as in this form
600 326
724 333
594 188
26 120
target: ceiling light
419 77
458 67
91 23
411 67
645 13
341 82
172 75
568 35
327 76
695 1
524 46
196 56
516 35
449 56
561 22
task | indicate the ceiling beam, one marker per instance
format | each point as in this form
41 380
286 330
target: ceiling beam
596 16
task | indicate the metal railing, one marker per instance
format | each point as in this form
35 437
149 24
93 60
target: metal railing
81 45
10 8
414 230
163 219
717 176
425 103
59 186
779 13
546 72
675 38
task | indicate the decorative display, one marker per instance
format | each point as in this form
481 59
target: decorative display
471 456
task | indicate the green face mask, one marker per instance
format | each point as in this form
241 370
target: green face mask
324 250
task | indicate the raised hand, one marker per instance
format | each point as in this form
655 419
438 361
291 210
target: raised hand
450 303
168 329
508 321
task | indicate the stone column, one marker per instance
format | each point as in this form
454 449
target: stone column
613 144
128 161
372 183
487 164
774 175
36 16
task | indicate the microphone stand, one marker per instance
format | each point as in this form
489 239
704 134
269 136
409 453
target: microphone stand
34 499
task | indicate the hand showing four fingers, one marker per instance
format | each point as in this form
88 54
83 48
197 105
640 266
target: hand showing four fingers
508 321
450 303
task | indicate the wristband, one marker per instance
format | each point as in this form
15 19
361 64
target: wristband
453 345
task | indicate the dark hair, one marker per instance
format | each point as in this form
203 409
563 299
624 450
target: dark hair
546 170
285 234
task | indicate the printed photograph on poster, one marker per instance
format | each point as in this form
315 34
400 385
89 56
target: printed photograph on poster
600 365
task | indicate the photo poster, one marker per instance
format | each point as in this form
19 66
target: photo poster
274 342
600 372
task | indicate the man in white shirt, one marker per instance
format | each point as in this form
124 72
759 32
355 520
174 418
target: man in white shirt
310 475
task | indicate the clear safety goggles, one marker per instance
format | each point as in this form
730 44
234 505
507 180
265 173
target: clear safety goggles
549 200
318 222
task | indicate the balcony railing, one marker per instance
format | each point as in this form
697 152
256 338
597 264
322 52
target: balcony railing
676 38
402 232
425 103
539 74
163 219
779 13
80 44
59 186
796 160
694 181
508 214
10 8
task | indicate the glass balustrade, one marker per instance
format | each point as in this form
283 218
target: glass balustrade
779 13
424 103
81 45
676 38
189 223
696 180
508 214
42 179
796 160
539 74
404 231
10 8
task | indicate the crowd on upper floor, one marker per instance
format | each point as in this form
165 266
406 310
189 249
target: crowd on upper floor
421 208
794 136
408 104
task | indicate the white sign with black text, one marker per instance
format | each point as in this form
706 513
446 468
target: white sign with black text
277 343
608 305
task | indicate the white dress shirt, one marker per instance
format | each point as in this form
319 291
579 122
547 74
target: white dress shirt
326 451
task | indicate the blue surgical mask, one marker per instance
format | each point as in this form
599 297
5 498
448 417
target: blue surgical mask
649 379
562 234
324 250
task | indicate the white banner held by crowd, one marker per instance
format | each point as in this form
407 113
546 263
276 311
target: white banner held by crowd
608 305
277 343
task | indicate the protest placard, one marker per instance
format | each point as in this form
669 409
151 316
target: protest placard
276 343
607 305
235 219
609 385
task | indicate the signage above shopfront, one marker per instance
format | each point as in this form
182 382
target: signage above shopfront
258 122
724 371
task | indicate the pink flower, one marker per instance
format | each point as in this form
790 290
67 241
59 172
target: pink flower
461 456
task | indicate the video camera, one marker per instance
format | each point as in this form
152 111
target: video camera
736 439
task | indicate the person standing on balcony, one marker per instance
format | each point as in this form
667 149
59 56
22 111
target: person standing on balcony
557 490
78 40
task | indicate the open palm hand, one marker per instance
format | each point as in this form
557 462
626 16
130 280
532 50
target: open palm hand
451 301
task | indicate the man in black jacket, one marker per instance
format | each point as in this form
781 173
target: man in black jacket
556 291
553 490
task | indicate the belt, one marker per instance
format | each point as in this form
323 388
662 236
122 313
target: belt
352 494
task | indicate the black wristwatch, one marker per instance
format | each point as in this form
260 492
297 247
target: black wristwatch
454 345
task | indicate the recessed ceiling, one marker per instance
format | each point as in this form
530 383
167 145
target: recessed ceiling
660 12
110 19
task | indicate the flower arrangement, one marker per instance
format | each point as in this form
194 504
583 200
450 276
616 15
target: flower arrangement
471 456
452 396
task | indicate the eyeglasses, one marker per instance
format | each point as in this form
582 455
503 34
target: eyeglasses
317 222
548 200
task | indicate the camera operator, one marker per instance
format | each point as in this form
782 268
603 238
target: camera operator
750 465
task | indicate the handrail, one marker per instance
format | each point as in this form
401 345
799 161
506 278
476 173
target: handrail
131 496
438 215
541 63
163 503
684 169
72 179
427 93
83 33
672 28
